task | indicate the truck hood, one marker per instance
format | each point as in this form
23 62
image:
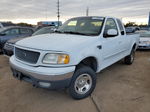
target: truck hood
56 42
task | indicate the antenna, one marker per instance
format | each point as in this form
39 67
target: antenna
58 11
87 11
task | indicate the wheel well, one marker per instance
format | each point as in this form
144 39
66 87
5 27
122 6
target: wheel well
134 47
90 61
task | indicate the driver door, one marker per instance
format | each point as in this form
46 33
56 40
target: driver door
110 44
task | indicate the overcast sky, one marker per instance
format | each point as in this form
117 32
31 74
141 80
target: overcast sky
32 11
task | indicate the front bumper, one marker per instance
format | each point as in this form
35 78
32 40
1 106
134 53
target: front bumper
144 47
8 49
56 77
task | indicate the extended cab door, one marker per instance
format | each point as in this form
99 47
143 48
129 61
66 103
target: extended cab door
124 41
110 44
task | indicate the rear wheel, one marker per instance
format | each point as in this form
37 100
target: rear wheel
130 59
83 83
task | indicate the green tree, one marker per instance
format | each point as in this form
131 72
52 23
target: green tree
130 24
25 25
143 25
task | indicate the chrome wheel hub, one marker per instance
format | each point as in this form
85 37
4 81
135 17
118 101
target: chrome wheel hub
83 84
132 57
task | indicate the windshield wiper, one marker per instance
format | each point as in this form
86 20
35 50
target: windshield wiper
71 32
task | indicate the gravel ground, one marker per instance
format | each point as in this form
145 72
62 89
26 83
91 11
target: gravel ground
120 88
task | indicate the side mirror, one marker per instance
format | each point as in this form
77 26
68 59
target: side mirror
112 33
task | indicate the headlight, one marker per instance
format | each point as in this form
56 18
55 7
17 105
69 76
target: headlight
56 59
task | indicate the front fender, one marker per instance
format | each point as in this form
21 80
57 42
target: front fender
90 52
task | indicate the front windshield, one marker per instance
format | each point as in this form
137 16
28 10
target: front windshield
44 30
145 34
83 26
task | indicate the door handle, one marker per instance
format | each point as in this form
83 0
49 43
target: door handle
99 46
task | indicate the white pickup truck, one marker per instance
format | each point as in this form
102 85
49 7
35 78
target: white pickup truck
71 57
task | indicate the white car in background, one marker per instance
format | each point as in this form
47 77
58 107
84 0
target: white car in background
144 40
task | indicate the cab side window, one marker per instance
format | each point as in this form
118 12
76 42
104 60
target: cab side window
110 24
120 27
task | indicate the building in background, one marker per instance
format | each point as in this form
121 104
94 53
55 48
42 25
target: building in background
49 23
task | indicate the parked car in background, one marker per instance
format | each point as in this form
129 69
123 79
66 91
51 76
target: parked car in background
130 29
8 33
50 23
144 40
71 57
43 26
145 28
44 30
6 24
9 45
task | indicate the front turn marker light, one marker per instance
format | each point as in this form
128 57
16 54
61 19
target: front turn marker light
63 59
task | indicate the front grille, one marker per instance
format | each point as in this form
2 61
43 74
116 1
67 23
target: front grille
27 56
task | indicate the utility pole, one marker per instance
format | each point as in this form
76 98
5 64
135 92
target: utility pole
58 11
149 20
87 11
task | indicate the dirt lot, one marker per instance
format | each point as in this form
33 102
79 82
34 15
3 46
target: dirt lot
120 88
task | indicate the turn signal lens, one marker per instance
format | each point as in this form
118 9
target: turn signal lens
63 59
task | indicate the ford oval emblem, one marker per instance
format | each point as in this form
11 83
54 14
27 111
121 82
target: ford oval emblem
24 54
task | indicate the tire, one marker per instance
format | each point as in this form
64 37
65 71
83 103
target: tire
1 51
83 83
130 59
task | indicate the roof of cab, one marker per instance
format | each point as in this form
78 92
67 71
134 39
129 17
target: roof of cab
105 17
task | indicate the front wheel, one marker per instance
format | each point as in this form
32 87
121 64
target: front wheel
129 59
83 83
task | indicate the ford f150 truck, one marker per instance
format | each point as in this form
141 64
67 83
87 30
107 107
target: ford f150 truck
71 57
